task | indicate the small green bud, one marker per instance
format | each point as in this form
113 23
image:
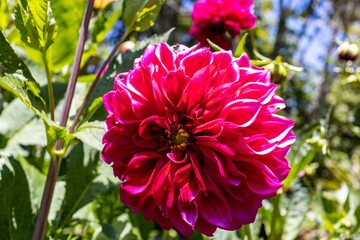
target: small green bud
278 70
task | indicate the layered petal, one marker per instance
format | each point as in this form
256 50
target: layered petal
195 138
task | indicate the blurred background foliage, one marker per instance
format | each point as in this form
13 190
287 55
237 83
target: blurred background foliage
321 196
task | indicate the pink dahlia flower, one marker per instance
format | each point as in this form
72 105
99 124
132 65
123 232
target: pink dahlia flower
195 139
214 18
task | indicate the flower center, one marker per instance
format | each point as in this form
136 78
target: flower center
180 139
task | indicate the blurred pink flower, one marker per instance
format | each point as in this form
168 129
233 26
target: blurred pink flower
214 18
195 139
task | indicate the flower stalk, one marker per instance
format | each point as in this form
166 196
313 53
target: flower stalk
41 222
76 66
249 232
94 83
50 86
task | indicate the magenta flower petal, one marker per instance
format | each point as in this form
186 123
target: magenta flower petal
213 19
195 138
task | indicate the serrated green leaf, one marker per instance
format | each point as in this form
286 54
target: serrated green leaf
91 133
16 217
17 79
34 20
10 62
24 24
139 15
38 10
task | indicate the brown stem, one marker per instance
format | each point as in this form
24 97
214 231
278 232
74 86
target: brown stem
76 66
41 221
94 83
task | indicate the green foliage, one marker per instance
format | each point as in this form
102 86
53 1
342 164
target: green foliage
4 16
16 217
37 27
80 172
241 46
62 52
17 78
91 133
319 198
139 15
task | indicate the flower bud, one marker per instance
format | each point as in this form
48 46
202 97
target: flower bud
348 51
278 70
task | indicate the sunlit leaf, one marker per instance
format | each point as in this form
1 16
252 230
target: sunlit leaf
91 133
240 49
4 14
34 20
139 15
62 52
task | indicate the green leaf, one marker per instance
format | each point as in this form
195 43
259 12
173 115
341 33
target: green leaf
25 25
10 63
91 133
81 171
37 27
16 217
4 14
17 79
214 46
13 118
26 91
139 15
68 15
38 10
119 229
36 180
240 49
